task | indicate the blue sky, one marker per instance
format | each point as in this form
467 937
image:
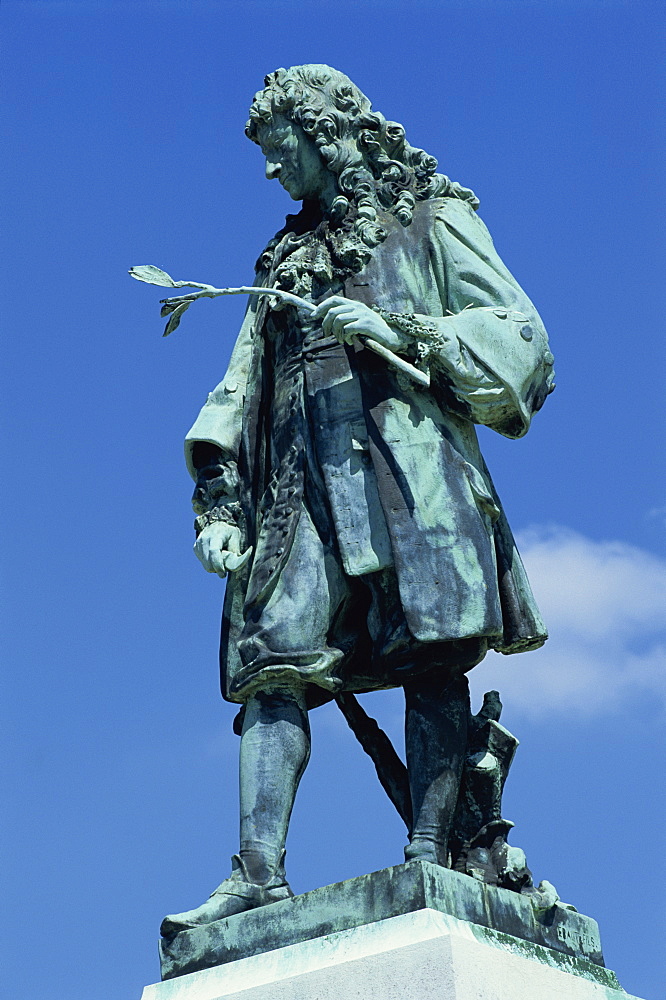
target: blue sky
125 121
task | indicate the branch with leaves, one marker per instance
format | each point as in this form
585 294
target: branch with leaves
175 306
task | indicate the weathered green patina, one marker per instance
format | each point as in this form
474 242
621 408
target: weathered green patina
339 482
562 938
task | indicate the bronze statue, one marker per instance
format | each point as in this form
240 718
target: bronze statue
344 489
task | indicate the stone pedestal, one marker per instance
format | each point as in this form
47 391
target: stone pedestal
415 931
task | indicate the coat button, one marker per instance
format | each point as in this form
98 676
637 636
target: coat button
309 356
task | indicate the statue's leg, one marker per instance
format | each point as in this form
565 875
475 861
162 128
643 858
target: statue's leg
283 651
275 747
274 751
437 713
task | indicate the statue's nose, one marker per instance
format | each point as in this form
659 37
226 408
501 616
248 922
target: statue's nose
273 170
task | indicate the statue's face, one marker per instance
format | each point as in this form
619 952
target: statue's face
293 158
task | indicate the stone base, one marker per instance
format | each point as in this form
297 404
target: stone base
391 892
421 955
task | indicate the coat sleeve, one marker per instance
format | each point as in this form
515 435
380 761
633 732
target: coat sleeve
491 347
220 419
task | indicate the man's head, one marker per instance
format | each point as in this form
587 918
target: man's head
371 167
321 101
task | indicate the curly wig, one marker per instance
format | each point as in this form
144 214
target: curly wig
376 168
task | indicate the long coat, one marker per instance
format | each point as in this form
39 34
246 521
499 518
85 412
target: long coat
405 479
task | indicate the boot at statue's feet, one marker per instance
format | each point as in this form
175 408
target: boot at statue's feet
235 895
423 851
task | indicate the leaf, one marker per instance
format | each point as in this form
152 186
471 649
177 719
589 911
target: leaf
152 275
168 308
174 319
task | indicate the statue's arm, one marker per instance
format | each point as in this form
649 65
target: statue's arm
211 453
491 348
220 418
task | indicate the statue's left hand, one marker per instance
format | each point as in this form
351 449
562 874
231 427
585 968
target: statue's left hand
345 319
218 549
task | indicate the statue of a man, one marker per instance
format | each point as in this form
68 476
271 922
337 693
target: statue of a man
368 546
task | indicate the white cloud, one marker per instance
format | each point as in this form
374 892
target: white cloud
605 607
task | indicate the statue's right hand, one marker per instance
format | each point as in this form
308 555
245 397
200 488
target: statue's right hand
218 548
